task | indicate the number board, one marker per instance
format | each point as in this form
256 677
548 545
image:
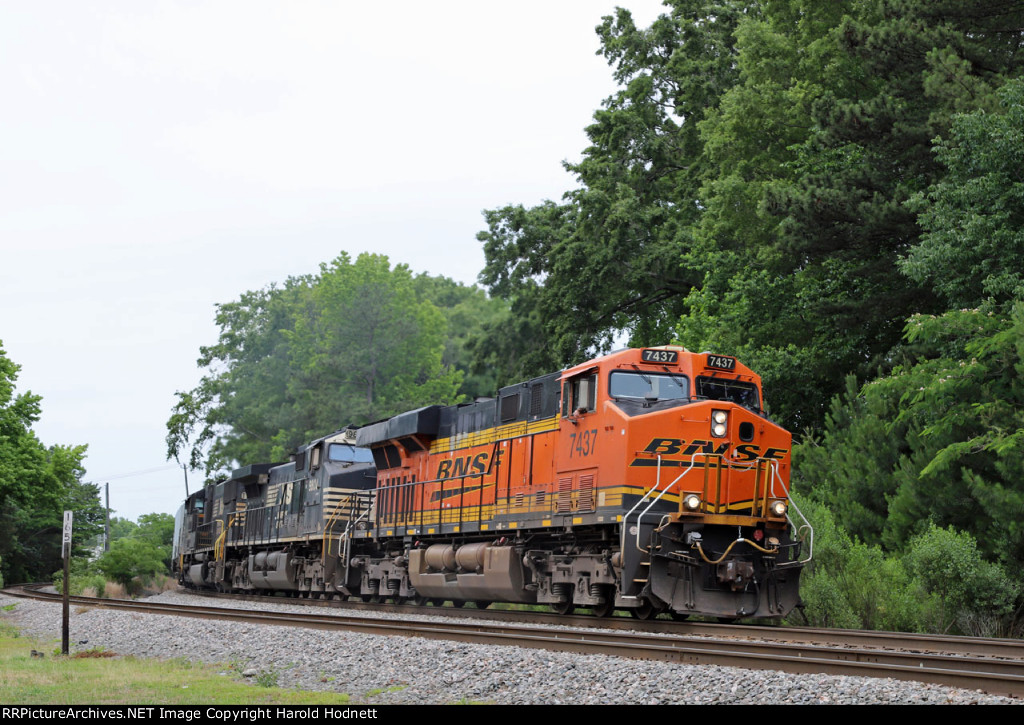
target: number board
659 356
721 362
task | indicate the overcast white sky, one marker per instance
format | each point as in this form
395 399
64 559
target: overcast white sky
157 158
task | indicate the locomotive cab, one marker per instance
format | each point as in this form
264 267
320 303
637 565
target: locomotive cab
710 532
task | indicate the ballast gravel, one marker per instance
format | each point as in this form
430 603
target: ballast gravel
375 669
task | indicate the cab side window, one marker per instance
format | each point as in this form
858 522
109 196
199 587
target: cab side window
579 394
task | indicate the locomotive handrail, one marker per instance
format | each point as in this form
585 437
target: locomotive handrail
796 527
335 514
255 524
775 475
347 536
799 529
393 511
639 518
810 535
218 544
351 522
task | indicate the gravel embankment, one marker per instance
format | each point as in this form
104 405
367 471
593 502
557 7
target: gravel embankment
392 670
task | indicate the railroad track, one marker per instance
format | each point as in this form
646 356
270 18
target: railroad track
991 665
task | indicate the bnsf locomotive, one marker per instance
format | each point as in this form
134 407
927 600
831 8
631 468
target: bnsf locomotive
647 480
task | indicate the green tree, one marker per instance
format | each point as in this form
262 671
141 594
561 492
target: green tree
357 342
820 143
941 439
748 181
121 528
24 474
973 245
158 531
132 559
468 312
242 403
944 433
31 551
367 347
606 261
37 484
976 596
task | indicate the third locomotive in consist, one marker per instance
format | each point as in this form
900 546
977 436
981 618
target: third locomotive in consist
647 480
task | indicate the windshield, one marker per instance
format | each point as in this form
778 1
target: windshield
348 454
649 386
733 391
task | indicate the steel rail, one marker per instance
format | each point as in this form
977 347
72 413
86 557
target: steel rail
1002 676
936 643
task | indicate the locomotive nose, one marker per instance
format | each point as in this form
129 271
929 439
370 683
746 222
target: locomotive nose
733 422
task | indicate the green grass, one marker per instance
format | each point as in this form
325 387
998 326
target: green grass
382 690
95 678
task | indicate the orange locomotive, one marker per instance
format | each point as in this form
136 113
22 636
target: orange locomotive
647 480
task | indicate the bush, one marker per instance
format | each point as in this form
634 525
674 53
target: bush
853 585
976 596
132 563
82 578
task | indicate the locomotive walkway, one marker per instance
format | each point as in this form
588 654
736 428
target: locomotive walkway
995 666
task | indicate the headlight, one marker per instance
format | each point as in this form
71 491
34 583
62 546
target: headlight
719 423
778 508
691 502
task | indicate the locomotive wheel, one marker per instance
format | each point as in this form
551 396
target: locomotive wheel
644 612
604 609
458 603
563 608
482 605
419 601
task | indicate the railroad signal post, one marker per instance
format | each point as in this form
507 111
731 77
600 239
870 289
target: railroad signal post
66 553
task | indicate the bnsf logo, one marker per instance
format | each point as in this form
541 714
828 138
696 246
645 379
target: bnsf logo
469 465
679 446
